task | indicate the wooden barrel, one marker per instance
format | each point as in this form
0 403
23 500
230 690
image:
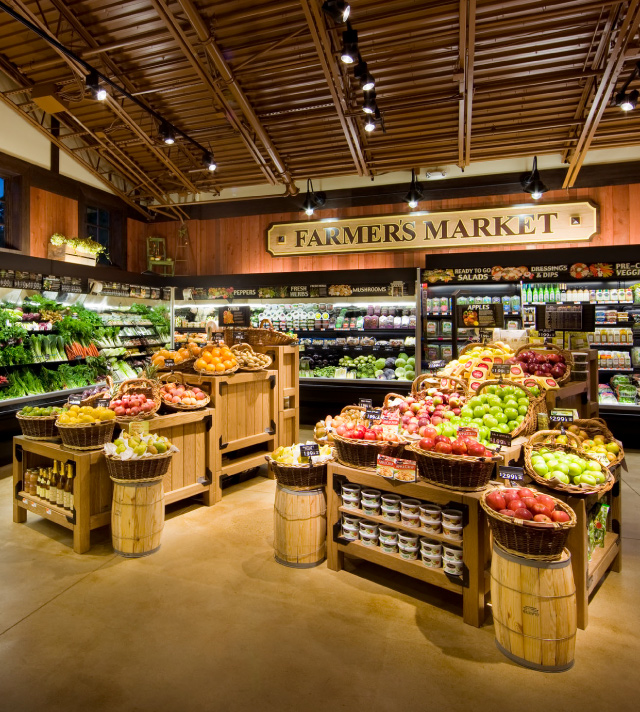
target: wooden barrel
137 517
300 527
534 610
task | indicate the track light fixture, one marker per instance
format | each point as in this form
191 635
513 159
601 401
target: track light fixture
370 125
532 183
349 52
628 102
369 106
209 162
167 134
415 194
361 73
313 200
338 10
93 84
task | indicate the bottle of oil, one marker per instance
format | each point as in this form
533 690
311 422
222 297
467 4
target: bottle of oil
62 481
68 489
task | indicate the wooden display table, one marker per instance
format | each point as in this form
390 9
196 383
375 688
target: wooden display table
472 586
588 574
286 362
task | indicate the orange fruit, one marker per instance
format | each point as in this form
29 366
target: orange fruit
228 364
215 351
207 357
201 364
210 367
158 361
220 368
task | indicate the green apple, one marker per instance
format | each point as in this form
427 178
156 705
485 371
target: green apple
511 413
540 468
612 447
559 475
489 421
574 469
594 466
588 479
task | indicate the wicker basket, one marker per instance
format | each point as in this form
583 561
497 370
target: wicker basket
489 345
364 453
86 436
240 349
144 468
444 383
179 407
536 442
530 540
140 386
456 472
597 426
568 358
536 405
259 336
92 400
182 367
39 428
228 372
298 475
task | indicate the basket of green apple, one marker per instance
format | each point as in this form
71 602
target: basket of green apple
596 439
140 457
557 461
506 407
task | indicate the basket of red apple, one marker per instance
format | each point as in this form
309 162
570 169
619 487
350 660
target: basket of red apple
417 413
528 523
545 360
360 446
460 463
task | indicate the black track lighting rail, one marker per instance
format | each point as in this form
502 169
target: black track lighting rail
94 75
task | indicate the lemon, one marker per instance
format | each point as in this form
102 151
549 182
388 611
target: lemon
63 419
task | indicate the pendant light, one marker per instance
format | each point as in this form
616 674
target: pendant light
361 73
369 106
415 194
93 84
349 52
167 134
338 10
209 162
313 200
533 184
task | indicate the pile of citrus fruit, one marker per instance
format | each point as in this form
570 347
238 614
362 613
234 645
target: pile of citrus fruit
180 356
84 414
215 359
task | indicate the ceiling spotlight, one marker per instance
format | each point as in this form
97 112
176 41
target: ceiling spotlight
338 10
349 52
361 73
369 106
209 162
93 83
627 102
414 196
532 183
313 200
167 134
370 125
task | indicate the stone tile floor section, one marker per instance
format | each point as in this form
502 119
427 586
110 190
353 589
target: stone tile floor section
212 623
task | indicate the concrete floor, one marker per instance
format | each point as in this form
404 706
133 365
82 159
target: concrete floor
212 623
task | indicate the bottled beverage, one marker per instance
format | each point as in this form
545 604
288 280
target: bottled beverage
68 490
53 487
62 481
557 296
629 295
536 295
563 294
545 294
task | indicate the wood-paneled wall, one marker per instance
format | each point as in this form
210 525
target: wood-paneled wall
238 245
50 213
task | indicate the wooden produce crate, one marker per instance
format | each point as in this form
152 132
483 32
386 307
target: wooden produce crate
190 471
473 585
244 423
286 361
92 488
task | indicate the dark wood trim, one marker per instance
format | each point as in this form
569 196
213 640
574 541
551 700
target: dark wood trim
464 187
17 209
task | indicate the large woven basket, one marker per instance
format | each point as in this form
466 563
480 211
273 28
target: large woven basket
259 336
444 383
241 349
568 358
489 345
530 540
39 428
86 436
537 441
456 472
144 468
140 386
298 475
93 400
537 404
180 407
597 426
364 453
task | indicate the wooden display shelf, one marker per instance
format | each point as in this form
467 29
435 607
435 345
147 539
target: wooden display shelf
474 584
400 525
415 568
602 559
286 361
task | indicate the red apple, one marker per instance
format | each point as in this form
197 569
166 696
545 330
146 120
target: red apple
560 515
548 501
523 513
496 501
427 443
507 512
369 435
441 439
529 502
525 492
539 508
542 518
510 494
443 447
475 448
459 447
515 504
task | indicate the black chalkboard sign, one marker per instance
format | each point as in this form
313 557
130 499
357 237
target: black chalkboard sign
503 439
75 399
515 474
501 368
312 450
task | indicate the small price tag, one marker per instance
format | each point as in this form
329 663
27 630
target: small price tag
435 365
77 358
312 450
501 369
169 363
373 414
485 334
357 348
365 402
47 510
503 439
25 500
468 431
559 416
514 474
103 403
34 505
547 333
75 399
324 347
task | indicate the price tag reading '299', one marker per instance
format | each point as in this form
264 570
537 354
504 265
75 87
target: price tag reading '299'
514 474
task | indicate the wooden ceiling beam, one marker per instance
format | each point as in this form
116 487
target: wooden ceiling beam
615 61
322 44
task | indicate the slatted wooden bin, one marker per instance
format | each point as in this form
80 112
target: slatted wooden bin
245 418
92 488
286 360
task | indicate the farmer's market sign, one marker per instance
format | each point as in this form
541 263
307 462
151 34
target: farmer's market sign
512 225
